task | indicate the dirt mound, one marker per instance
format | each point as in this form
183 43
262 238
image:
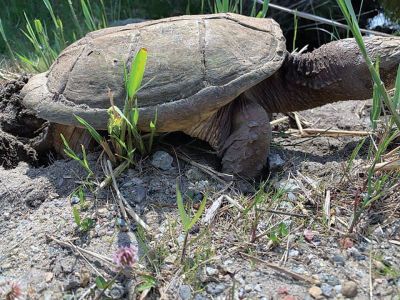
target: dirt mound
20 130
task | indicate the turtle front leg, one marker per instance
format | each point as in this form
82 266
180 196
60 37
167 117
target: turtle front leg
246 149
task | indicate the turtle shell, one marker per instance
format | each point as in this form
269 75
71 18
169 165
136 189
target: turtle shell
196 64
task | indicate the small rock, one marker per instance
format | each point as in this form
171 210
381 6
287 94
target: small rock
327 290
338 260
84 277
75 200
338 289
308 235
248 288
6 216
349 289
211 271
49 276
116 291
356 254
275 161
215 288
72 283
258 288
194 174
135 195
103 212
121 224
185 293
299 270
294 253
329 279
315 292
162 160
288 185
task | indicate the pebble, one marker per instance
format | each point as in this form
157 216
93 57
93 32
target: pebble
215 288
353 252
288 185
116 291
338 289
211 271
315 292
185 292
349 289
194 174
338 260
275 161
329 279
162 160
327 290
294 253
74 200
6 216
122 224
136 195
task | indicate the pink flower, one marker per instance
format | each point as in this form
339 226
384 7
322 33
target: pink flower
126 256
10 290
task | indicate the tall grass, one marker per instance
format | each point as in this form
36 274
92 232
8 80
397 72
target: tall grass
376 186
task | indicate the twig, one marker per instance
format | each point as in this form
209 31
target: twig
327 132
122 202
327 207
387 166
278 121
76 248
280 269
298 123
109 172
118 170
221 177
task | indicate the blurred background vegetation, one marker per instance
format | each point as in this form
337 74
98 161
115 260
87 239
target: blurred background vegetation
63 21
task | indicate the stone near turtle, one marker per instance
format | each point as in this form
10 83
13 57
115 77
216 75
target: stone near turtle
216 77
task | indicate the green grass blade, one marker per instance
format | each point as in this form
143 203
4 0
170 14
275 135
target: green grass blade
136 73
181 208
396 97
199 212
93 132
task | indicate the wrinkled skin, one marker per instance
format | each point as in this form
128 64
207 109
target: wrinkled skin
334 72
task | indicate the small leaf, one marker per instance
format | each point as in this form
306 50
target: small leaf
101 283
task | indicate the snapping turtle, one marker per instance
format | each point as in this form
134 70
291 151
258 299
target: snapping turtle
216 77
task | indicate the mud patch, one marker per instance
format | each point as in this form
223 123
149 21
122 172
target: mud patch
20 130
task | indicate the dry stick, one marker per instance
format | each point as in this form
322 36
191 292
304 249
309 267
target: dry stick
298 123
327 207
392 153
280 269
387 166
328 132
118 170
109 172
122 201
216 175
278 121
76 248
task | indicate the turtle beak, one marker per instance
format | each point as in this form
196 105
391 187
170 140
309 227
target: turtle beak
387 50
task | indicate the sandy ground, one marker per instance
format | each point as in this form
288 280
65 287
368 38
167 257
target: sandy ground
315 256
